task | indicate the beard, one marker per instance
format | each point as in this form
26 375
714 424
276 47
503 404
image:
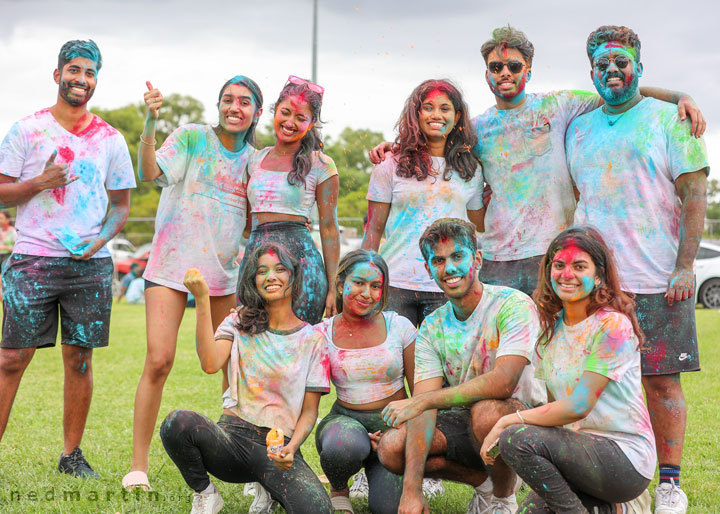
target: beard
69 97
617 96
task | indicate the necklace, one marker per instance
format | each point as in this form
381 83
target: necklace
612 119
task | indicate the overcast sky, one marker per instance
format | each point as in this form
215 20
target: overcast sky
371 53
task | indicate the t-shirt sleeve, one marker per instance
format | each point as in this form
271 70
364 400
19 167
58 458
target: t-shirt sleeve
614 347
173 156
576 102
120 171
13 151
380 188
428 363
475 202
686 153
125 282
226 330
518 327
406 330
326 167
318 376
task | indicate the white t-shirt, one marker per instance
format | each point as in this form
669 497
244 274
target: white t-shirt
98 155
505 322
605 344
267 372
414 205
365 375
136 291
523 155
201 213
626 175
270 191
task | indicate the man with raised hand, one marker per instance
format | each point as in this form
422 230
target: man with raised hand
473 362
60 166
642 180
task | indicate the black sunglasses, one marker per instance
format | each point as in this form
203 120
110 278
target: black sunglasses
513 66
603 63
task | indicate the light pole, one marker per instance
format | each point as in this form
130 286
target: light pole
314 42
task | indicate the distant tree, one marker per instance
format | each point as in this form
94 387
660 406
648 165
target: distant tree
713 210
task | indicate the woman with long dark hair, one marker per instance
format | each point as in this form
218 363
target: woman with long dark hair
371 353
591 447
277 366
200 220
285 182
432 174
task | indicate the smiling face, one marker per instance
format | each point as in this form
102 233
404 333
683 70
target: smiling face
453 266
77 81
437 115
573 275
362 289
237 110
614 83
272 278
293 119
504 83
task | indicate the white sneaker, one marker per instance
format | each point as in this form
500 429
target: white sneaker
249 489
432 487
263 502
640 505
208 503
502 505
360 488
670 499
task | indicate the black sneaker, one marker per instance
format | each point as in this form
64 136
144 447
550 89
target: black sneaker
75 464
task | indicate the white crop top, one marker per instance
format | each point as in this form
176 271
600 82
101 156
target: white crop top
365 375
270 191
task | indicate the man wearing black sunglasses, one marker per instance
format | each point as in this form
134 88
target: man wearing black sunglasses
642 180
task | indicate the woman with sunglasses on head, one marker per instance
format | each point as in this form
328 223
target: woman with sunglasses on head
277 366
200 220
285 181
371 352
432 174
592 448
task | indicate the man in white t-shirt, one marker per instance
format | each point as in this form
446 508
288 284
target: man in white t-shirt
643 183
60 166
473 361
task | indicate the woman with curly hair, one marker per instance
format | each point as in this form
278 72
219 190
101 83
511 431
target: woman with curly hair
592 447
278 369
432 174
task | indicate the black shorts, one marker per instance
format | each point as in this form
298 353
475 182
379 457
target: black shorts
670 334
35 287
521 274
456 425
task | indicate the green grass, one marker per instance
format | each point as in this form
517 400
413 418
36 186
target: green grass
29 482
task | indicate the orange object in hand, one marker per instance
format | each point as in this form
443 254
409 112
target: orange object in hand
275 441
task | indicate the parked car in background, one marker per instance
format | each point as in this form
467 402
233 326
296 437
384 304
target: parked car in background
120 248
707 272
140 256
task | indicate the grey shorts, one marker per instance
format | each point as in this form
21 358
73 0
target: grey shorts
37 291
521 274
670 335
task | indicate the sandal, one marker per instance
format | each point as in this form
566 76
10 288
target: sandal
136 480
341 503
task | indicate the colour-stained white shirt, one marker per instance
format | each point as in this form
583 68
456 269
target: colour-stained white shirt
505 322
98 155
605 344
270 373
523 156
201 213
626 175
365 375
414 205
270 191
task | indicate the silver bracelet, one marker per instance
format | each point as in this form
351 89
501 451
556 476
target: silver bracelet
519 416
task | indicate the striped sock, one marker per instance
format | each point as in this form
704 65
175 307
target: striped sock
670 474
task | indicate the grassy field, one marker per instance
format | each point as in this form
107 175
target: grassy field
29 482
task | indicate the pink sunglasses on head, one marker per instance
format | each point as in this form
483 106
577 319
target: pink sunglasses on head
292 79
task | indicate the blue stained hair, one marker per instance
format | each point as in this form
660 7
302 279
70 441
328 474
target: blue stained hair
79 48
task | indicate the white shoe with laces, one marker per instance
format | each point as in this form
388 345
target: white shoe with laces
360 488
670 499
482 498
207 503
502 505
263 502
432 487
640 505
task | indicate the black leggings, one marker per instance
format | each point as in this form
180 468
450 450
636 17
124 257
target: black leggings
294 236
342 441
414 305
569 472
234 451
